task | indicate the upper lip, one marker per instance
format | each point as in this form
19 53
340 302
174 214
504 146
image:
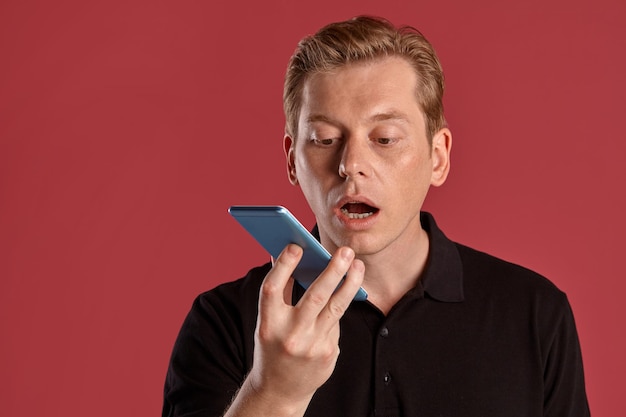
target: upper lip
355 199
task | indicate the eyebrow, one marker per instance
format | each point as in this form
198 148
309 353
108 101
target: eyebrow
319 118
390 115
378 117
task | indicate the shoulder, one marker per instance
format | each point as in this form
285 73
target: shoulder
214 348
230 308
223 319
515 298
486 274
234 297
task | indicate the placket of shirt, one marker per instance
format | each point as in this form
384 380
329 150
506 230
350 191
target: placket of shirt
387 392
386 398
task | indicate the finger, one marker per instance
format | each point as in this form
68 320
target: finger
273 287
343 296
319 292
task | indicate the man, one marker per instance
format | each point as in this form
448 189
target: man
446 330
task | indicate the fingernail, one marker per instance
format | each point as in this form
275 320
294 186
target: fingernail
293 249
358 265
347 254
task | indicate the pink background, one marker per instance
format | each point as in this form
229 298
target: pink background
127 128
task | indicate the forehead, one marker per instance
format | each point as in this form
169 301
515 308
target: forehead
361 90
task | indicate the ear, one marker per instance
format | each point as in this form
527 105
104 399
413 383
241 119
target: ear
440 154
289 146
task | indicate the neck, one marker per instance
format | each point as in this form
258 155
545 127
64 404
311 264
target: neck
390 274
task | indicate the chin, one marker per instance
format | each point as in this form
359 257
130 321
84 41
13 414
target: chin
361 246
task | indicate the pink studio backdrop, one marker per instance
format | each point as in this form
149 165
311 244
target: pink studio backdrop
127 128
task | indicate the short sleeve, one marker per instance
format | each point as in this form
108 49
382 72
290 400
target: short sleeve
564 382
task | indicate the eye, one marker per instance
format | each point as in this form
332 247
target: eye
384 141
324 142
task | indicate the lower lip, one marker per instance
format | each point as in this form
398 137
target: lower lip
356 224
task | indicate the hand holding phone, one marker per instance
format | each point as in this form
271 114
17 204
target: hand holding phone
274 227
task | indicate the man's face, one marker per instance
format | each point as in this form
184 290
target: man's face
362 157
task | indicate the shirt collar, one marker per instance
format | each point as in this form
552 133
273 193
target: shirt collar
442 278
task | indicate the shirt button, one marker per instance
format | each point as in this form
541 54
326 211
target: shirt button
384 332
387 378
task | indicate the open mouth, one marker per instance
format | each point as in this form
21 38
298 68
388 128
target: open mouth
358 210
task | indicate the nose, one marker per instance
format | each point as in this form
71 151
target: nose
355 159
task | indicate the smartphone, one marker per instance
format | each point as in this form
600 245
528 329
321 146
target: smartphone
274 227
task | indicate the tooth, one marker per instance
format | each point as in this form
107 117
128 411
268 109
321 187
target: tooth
356 215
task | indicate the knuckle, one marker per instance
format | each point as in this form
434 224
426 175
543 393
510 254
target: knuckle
317 299
291 346
270 289
264 334
339 266
330 354
335 309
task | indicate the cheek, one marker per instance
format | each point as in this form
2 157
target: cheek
413 172
309 174
316 164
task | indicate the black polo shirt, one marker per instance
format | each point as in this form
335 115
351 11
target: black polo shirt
476 337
